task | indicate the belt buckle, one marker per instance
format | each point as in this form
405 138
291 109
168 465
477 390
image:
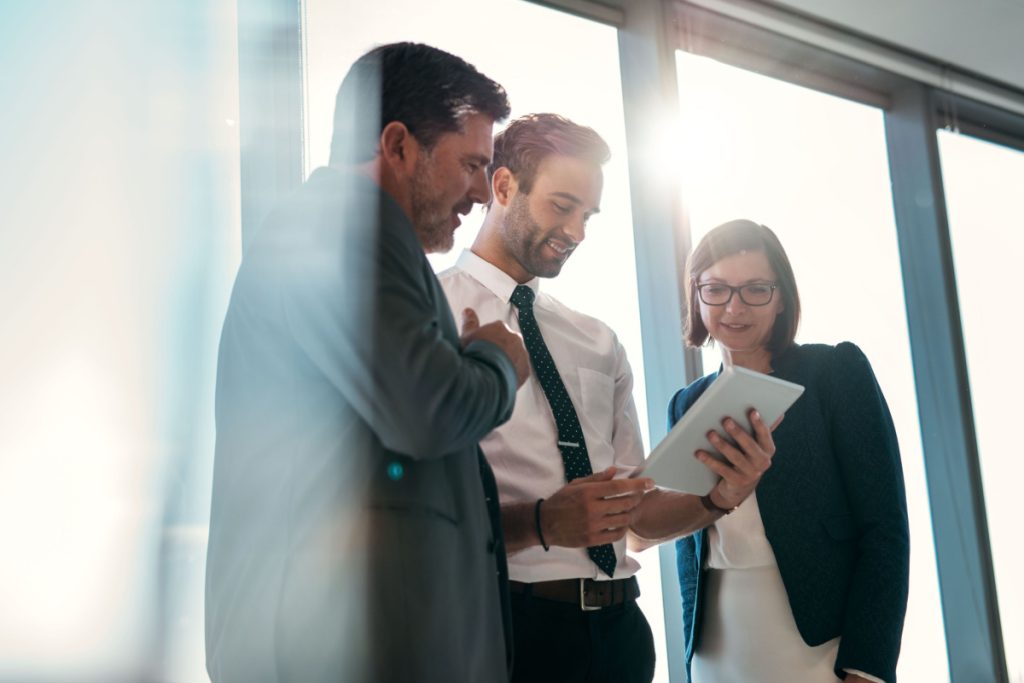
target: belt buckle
583 600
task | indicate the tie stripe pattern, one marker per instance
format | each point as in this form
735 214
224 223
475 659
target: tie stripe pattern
571 443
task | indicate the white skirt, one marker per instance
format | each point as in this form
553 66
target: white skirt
748 633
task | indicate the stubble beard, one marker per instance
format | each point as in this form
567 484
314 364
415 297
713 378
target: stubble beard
430 218
524 238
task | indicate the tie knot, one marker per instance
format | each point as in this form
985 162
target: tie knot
522 297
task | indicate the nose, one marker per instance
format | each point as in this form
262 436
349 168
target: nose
479 188
576 229
735 304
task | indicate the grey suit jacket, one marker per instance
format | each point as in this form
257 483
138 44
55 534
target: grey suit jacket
354 531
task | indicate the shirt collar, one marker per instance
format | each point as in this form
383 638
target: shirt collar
492 277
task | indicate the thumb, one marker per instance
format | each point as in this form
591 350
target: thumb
470 321
604 475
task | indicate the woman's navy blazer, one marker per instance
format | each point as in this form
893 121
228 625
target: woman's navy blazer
834 511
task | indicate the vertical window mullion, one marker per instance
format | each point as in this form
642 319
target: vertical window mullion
963 551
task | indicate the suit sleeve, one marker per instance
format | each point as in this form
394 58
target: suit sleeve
865 445
368 323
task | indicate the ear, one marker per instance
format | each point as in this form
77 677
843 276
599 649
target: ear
399 149
503 186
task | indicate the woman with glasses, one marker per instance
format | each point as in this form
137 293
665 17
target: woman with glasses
806 579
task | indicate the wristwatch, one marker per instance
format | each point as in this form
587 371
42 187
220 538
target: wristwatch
710 506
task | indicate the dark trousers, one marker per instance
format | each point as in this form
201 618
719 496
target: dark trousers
560 643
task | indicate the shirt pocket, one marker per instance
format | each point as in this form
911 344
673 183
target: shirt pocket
597 396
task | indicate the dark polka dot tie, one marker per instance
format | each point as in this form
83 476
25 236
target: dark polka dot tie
571 443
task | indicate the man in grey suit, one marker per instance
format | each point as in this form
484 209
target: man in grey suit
354 532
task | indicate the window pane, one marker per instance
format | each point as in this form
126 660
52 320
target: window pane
582 84
813 168
986 224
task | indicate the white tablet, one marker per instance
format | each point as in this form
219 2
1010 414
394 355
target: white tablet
733 393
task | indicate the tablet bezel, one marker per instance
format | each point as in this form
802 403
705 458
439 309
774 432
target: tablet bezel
732 394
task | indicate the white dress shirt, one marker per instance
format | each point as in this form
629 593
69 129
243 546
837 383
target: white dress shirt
523 452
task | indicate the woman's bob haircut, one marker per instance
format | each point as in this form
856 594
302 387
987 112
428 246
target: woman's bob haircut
732 238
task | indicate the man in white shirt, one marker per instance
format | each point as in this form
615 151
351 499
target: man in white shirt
562 460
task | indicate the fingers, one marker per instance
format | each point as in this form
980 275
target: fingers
470 321
746 460
763 433
722 469
502 336
613 507
601 486
608 530
620 487
747 454
593 510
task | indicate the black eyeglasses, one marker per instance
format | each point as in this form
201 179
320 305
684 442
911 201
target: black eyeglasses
754 294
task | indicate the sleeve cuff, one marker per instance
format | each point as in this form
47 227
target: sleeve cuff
493 356
869 677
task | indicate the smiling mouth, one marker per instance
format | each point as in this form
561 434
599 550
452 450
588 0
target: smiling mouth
559 248
736 327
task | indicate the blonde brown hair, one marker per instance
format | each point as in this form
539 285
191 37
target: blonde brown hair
526 141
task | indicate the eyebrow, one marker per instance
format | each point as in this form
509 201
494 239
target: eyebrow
568 196
751 281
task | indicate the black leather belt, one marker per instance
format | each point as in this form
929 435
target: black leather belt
590 595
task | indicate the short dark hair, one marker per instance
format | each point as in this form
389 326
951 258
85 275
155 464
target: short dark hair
732 238
529 139
427 89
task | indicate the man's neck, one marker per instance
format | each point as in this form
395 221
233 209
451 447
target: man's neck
490 247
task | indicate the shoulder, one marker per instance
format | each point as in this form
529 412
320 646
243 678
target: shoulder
843 359
685 397
451 274
848 355
587 324
810 359
462 289
803 355
457 282
832 373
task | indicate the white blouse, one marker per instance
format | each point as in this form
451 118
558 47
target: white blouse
738 541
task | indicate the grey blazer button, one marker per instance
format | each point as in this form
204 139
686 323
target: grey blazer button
490 546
